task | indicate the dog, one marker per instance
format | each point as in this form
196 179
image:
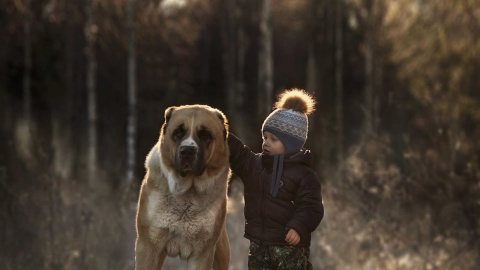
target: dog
183 197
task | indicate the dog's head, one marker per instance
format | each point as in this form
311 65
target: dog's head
194 139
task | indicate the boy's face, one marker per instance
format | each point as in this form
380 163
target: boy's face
272 145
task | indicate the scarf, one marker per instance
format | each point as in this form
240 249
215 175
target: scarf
276 174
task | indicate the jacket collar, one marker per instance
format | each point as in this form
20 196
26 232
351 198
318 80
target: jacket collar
303 156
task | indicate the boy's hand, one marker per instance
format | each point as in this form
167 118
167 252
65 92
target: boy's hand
292 237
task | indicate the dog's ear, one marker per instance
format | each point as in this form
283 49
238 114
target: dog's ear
168 115
224 121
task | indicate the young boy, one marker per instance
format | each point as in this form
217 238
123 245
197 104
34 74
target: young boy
283 204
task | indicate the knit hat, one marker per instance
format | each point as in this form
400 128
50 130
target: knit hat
289 121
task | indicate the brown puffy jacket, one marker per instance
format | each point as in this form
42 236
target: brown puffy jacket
297 204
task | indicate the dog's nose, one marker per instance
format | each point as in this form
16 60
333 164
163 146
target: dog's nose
187 151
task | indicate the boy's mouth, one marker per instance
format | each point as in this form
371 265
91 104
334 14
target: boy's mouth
265 151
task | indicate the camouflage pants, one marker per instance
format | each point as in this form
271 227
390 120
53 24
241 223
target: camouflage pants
278 257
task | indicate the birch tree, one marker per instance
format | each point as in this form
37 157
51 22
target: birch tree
131 121
62 137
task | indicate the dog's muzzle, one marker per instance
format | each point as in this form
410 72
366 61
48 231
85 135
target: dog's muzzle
189 159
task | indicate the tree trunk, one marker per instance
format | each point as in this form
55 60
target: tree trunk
131 127
311 60
229 57
27 91
131 122
311 69
265 62
69 52
241 52
4 96
240 79
339 88
369 76
91 90
313 85
62 126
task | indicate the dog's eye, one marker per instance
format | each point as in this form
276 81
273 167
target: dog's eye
178 133
205 135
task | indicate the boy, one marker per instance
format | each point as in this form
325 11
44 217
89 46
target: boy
283 204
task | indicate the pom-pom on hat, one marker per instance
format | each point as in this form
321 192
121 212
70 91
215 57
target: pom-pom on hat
289 120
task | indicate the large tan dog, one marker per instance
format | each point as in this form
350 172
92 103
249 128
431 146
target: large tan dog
183 198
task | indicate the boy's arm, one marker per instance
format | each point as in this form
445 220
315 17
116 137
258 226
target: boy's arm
242 159
308 206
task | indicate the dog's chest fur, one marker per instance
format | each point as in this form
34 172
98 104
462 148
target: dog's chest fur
182 221
181 213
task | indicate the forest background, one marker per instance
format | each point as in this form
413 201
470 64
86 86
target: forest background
84 86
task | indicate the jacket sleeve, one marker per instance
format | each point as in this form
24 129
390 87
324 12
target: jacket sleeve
308 206
242 159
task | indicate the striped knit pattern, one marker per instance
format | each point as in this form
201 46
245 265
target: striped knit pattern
289 122
289 126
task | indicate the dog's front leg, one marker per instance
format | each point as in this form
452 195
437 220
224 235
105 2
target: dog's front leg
147 257
161 259
201 261
222 251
